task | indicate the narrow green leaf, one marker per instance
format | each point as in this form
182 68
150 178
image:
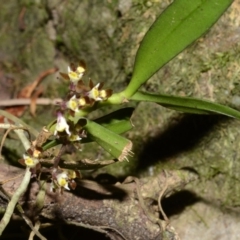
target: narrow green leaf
178 26
187 104
118 146
117 121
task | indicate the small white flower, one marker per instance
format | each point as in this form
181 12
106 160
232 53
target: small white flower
62 180
61 125
30 161
75 76
94 93
73 104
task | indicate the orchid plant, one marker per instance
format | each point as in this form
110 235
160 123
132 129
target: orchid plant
177 27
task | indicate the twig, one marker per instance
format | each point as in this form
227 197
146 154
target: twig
21 189
160 198
27 101
29 223
11 205
36 227
33 228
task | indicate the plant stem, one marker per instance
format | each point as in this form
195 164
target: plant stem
11 205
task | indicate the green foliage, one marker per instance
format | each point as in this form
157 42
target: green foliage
117 122
187 104
118 146
177 27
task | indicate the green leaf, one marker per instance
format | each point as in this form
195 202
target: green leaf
117 121
187 104
178 26
118 146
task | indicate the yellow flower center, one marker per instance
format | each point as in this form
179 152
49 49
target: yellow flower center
94 93
73 105
62 182
30 162
73 76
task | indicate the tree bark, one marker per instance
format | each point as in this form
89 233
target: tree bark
126 210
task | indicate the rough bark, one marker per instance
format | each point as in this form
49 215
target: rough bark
114 209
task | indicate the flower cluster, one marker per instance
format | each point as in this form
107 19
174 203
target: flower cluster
60 178
80 94
86 95
79 97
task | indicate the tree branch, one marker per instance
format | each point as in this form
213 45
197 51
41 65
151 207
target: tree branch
115 209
